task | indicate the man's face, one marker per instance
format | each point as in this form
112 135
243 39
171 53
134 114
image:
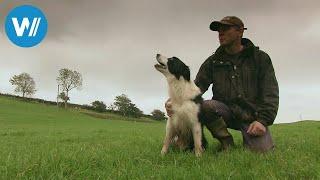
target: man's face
229 34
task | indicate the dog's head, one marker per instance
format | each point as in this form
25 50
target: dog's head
172 66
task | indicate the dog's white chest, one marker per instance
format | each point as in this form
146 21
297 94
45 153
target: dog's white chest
185 115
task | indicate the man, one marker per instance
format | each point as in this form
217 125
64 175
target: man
245 89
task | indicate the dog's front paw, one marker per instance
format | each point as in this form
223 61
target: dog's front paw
164 151
198 152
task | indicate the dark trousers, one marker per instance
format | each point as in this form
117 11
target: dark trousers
217 117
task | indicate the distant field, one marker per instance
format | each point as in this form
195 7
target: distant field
45 142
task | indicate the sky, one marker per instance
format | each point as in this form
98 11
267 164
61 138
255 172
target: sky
113 44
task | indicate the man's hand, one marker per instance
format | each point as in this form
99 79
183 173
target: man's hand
168 106
256 129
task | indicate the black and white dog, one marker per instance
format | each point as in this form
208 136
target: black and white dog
184 128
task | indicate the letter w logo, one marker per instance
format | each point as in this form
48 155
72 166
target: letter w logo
25 25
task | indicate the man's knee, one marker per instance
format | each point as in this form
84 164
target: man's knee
208 106
208 111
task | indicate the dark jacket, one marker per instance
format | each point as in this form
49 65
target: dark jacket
248 86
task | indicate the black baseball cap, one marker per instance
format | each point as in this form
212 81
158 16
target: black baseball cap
227 21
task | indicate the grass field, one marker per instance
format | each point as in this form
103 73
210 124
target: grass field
45 142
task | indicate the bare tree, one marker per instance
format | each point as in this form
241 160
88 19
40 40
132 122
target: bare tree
68 80
24 84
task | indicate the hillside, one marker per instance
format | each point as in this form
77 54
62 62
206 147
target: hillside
45 142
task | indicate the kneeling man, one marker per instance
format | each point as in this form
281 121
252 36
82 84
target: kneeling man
245 88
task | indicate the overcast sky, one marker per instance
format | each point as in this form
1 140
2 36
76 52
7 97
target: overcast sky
113 44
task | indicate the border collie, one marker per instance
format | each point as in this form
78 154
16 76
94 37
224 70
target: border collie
184 128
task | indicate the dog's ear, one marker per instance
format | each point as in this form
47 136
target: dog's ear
178 68
186 73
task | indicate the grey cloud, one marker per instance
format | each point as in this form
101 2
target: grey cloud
113 43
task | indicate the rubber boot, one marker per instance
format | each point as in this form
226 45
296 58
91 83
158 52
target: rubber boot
218 130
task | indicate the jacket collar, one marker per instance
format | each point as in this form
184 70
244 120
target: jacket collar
248 50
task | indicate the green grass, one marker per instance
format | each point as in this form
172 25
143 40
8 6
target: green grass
45 142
